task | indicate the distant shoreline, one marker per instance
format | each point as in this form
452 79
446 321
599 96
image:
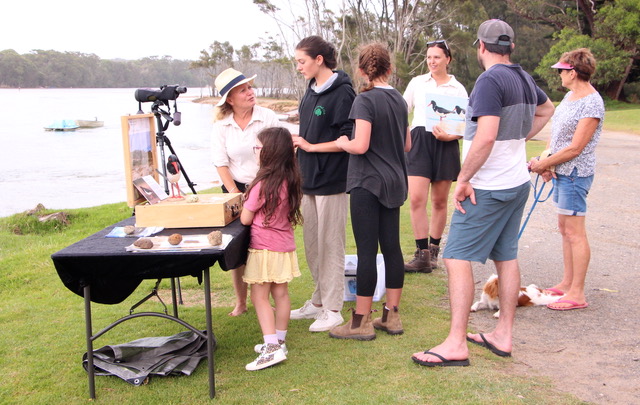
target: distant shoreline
288 108
277 105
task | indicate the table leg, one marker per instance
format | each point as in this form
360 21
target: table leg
179 291
173 297
207 305
89 332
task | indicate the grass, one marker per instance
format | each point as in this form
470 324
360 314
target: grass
622 117
42 338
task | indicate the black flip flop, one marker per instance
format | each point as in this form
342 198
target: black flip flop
485 343
443 363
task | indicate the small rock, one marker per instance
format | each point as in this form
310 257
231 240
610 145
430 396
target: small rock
56 216
143 243
215 238
175 239
35 210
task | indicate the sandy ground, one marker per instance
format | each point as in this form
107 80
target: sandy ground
593 353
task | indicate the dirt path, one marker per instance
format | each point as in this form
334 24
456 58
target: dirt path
592 353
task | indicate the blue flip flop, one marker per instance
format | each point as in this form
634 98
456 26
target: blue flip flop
485 343
443 363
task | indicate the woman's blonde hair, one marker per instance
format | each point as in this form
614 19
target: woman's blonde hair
222 112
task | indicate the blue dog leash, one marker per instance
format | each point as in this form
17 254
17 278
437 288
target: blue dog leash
536 200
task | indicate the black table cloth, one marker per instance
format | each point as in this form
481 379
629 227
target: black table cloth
113 273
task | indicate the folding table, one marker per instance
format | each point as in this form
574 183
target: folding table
100 269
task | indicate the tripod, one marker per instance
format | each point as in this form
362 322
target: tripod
163 140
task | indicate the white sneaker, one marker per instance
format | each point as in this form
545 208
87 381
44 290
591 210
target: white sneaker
259 347
308 311
270 355
326 320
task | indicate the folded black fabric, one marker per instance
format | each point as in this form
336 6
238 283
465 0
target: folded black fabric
136 361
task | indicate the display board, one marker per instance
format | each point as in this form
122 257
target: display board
448 112
140 158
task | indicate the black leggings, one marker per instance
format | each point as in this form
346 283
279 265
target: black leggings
372 223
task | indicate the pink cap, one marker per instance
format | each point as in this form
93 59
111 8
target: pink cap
562 65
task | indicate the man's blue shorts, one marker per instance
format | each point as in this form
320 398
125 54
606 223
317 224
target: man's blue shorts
490 228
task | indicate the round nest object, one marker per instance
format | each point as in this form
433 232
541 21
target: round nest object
175 239
144 243
215 238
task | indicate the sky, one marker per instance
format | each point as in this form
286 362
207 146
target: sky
131 29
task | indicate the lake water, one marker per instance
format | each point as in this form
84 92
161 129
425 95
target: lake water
85 167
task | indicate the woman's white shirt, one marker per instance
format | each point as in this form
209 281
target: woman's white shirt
416 95
233 147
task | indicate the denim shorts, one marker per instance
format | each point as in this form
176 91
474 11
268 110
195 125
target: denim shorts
490 228
570 194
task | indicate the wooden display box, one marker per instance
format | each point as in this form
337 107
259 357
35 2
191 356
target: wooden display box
210 210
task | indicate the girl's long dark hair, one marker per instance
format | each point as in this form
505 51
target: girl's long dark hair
315 45
278 168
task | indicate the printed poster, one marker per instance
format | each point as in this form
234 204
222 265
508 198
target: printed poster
447 111
149 188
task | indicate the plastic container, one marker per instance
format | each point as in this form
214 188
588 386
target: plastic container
350 267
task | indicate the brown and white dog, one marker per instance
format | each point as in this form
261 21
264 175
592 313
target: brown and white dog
528 296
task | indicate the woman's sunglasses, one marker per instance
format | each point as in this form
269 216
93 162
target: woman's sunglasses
439 41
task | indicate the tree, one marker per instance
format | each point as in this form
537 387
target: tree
15 70
48 68
278 78
619 22
611 62
404 25
610 27
318 19
218 57
578 14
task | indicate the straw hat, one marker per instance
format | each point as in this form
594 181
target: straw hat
227 80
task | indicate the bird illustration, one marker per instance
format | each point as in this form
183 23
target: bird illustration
173 175
459 110
442 112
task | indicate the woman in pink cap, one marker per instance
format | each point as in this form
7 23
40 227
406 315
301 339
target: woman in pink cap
571 162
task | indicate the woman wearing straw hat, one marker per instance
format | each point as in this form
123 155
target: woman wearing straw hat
237 122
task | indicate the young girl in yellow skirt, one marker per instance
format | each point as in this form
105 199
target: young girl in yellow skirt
272 208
